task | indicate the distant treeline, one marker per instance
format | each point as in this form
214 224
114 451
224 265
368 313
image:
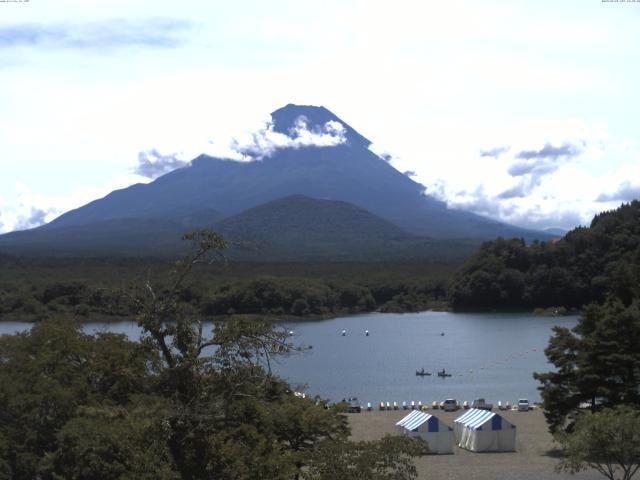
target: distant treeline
36 288
585 266
303 297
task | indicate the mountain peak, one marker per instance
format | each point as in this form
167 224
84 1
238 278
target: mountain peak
285 120
214 188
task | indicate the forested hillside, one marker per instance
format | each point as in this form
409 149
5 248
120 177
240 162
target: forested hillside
583 267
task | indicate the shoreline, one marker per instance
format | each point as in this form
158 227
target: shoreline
105 318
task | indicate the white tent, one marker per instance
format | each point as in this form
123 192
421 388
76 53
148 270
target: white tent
484 431
438 434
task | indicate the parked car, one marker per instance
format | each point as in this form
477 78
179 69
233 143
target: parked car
450 405
354 405
523 405
480 403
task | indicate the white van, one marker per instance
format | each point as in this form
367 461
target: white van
523 405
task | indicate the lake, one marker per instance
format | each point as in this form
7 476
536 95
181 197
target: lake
489 355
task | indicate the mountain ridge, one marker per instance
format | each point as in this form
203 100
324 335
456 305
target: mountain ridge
294 228
210 189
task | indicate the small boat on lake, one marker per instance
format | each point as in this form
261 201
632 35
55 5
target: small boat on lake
443 373
422 373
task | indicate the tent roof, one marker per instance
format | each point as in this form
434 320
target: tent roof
476 418
414 420
467 415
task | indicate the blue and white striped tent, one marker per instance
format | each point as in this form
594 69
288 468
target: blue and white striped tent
439 435
484 431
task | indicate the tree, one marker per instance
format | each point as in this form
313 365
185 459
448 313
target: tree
387 459
49 375
597 362
584 266
110 443
230 417
606 441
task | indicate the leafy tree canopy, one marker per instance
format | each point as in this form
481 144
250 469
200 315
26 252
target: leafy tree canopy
597 363
583 267
606 441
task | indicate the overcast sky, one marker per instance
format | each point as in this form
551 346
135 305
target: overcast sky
519 110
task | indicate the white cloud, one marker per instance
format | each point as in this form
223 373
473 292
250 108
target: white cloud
106 35
265 141
550 176
35 218
31 210
152 164
251 145
383 153
625 192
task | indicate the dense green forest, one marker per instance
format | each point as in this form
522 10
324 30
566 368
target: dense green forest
38 287
583 267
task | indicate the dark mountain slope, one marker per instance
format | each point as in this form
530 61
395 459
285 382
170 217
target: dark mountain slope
303 228
349 172
212 188
131 236
295 228
298 218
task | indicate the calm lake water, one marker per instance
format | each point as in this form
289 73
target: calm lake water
489 355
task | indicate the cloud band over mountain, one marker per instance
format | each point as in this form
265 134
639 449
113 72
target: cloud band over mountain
267 140
153 164
250 146
35 218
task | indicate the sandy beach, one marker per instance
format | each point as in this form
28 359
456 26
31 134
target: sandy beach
534 458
